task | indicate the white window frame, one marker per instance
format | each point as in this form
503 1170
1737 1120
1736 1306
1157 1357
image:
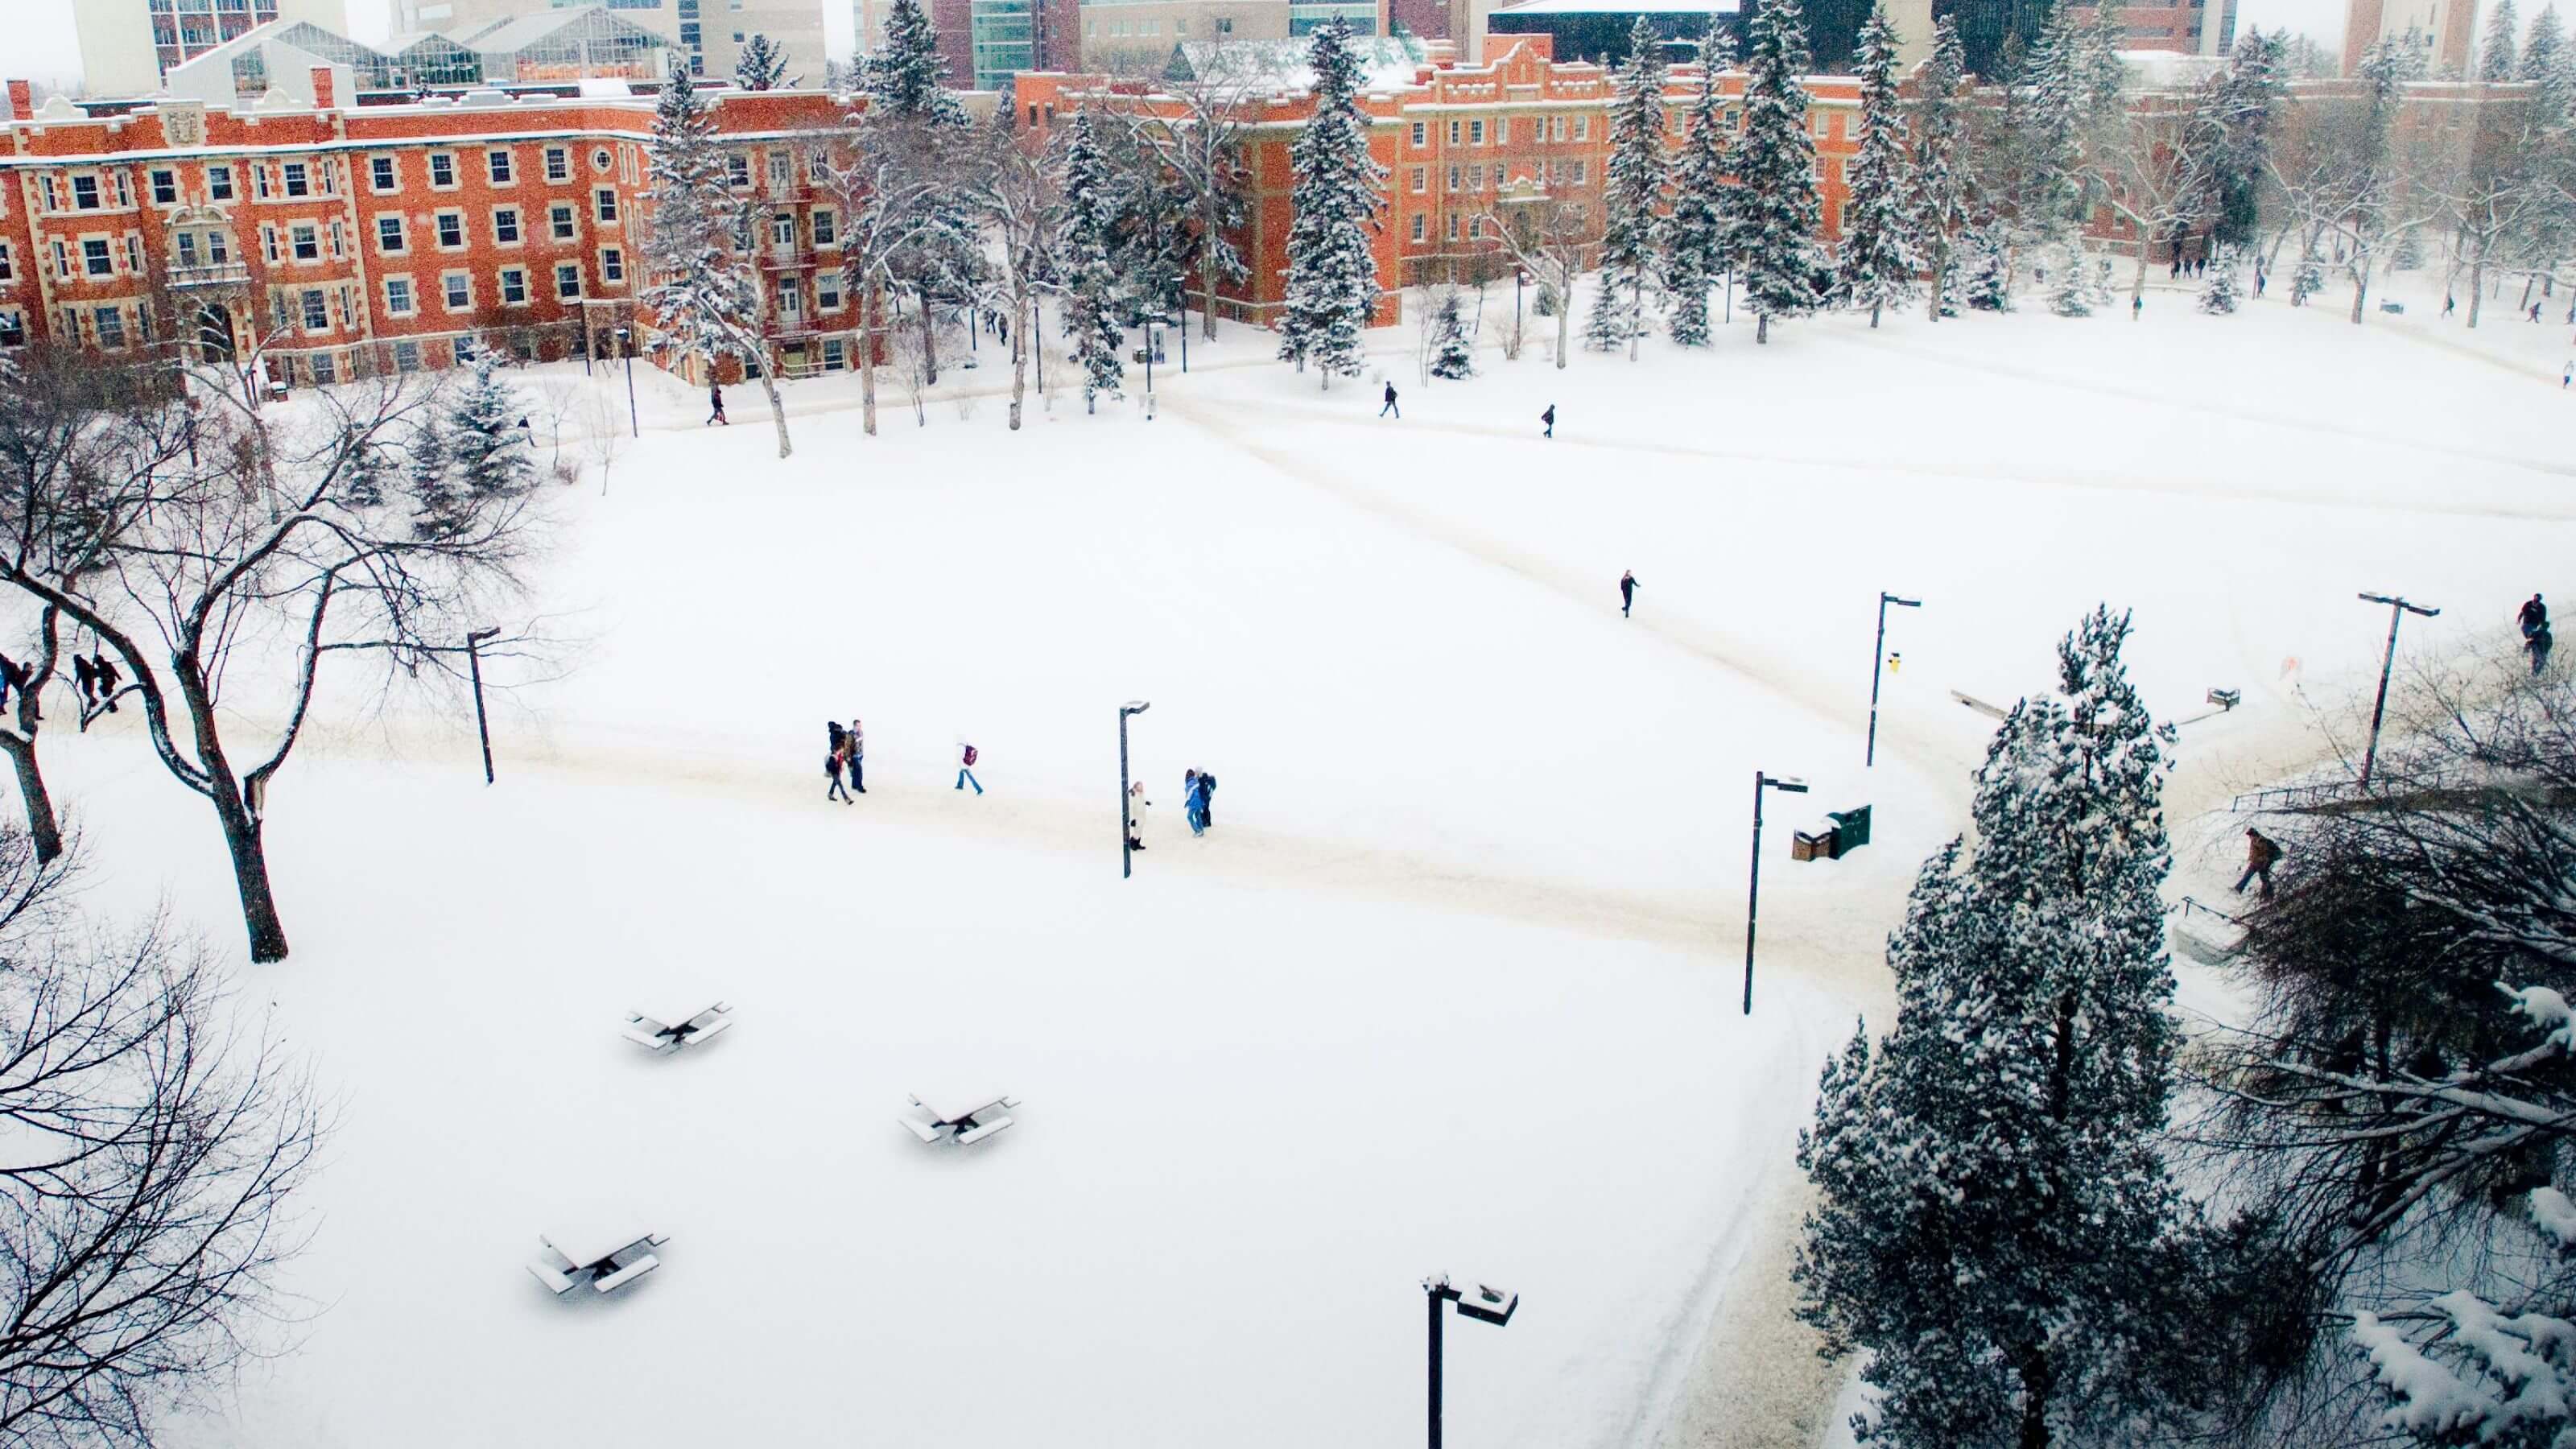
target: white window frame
437 161
501 166
505 279
391 179
517 231
401 235
447 289
408 303
438 230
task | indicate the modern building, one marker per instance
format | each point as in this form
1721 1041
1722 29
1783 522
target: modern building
986 42
1138 37
711 32
560 46
127 45
2441 32
2190 27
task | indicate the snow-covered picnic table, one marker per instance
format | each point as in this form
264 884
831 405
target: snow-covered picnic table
670 1026
958 1114
593 1247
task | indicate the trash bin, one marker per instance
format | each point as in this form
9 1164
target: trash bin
1851 829
1816 842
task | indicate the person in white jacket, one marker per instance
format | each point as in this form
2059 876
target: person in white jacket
1136 803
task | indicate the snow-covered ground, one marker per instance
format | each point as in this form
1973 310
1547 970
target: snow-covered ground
1454 985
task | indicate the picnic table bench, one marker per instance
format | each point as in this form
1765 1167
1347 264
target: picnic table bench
593 1251
673 1030
960 1117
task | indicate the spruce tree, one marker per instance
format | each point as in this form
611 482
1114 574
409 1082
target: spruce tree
703 295
762 66
434 496
2070 290
2218 295
2103 70
2236 112
1994 1224
1985 253
488 452
2052 118
905 76
1083 242
1940 180
2547 63
1778 216
1879 257
1332 272
2495 51
370 472
1632 194
1453 352
1695 233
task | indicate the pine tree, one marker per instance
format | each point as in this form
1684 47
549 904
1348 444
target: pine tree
434 496
2052 119
1986 255
1453 353
370 472
1995 1224
2218 295
1879 258
2103 70
905 76
1632 194
2235 113
1089 282
762 65
1332 272
703 295
1695 233
1778 217
2070 290
1940 182
2308 278
488 452
2495 51
2547 63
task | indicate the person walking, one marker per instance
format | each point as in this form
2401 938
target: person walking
838 736
715 404
2449 304
966 768
107 678
1207 801
1549 418
832 772
2567 378
1627 593
2261 854
1194 802
1390 404
2535 311
2260 277
1136 803
2137 307
84 678
858 752
2539 643
2532 617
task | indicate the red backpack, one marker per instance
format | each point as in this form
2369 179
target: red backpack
970 756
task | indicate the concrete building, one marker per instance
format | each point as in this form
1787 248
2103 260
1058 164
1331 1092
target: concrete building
2442 32
127 45
712 32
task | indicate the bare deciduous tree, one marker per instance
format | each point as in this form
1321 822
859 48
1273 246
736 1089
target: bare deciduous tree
1202 150
1546 230
147 1175
1010 188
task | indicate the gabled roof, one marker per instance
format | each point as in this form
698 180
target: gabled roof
506 37
1385 61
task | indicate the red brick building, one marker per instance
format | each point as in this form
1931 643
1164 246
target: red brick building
343 239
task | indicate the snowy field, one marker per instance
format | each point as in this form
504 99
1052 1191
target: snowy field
1454 983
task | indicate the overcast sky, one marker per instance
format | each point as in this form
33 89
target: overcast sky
40 45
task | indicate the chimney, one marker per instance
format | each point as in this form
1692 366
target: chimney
323 98
22 99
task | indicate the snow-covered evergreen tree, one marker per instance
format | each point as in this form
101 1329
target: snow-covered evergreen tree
1453 352
1995 1224
2308 278
1879 258
702 293
371 473
762 65
2050 113
2495 51
1632 194
1985 255
488 451
1332 272
1778 217
436 501
2234 123
905 76
1089 282
2071 289
1695 232
2550 66
1940 174
2103 70
2220 293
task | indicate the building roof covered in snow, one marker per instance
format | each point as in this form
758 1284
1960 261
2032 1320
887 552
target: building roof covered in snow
1385 60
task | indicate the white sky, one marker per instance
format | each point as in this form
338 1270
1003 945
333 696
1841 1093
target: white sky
40 44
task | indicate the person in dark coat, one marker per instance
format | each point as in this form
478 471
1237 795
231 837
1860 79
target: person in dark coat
84 678
1194 801
2538 641
857 740
832 728
1627 593
1390 404
1549 418
832 772
715 404
1207 800
2534 616
107 677
2261 854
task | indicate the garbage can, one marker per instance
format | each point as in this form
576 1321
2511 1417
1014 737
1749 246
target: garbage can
1851 829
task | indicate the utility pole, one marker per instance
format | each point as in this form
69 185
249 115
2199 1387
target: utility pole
2398 609
1878 661
1126 821
1753 890
482 725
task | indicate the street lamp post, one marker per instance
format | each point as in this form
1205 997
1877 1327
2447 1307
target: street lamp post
1877 660
2398 609
626 344
482 724
1492 1305
1789 784
1126 827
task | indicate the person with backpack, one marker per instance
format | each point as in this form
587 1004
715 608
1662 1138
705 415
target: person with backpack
1194 802
966 768
832 772
1549 418
715 404
2261 854
1390 404
84 678
107 677
1207 801
2539 644
1136 803
1627 593
2532 617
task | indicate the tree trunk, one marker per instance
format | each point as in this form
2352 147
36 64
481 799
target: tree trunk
2360 287
1873 316
2037 1381
1564 317
1637 313
250 874
777 408
42 828
2138 282
2477 281
1019 357
1761 327
1207 269
1940 270
929 344
870 306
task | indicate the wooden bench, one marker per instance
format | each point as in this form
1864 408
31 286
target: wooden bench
982 1130
551 1278
612 1281
920 1129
